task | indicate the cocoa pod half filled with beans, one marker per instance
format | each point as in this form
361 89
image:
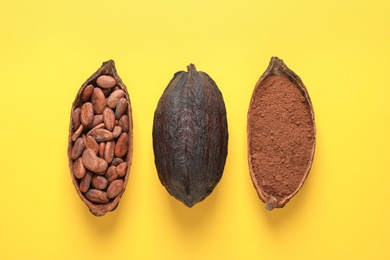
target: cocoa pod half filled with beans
190 136
100 140
281 135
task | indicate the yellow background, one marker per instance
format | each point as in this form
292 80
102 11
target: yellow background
340 49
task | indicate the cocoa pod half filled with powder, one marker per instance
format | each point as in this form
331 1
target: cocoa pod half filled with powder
281 135
100 140
190 136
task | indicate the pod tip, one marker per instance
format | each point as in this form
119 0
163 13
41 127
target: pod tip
191 67
271 203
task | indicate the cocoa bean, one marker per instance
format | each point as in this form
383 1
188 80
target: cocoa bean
122 145
121 108
117 131
87 93
116 161
121 169
190 136
99 182
109 151
87 114
105 81
102 166
114 188
101 125
92 144
97 120
102 147
86 182
114 97
78 132
109 118
97 196
111 174
281 135
77 149
78 168
101 135
92 162
124 123
76 118
90 159
98 100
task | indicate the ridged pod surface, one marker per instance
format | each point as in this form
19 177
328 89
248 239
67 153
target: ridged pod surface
281 135
100 140
190 136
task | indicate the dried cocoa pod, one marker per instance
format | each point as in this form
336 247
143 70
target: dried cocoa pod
190 136
281 135
92 137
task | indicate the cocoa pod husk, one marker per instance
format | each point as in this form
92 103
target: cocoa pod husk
102 78
281 135
190 136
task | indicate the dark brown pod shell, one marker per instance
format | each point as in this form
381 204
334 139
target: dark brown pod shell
281 135
97 200
190 136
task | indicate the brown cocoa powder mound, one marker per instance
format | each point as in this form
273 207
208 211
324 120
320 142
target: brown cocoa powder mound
282 138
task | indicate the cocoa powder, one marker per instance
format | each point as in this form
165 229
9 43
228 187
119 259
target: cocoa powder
282 137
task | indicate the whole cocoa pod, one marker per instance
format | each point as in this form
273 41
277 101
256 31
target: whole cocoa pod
93 133
190 136
281 135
